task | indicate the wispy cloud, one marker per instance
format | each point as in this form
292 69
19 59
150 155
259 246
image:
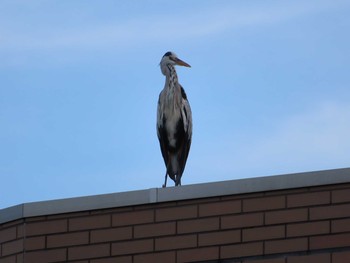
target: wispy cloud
313 140
157 28
320 135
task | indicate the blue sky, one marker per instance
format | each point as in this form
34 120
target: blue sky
79 84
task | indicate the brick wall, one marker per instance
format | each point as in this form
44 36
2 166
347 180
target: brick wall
307 224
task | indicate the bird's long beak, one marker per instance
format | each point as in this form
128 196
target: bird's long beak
181 63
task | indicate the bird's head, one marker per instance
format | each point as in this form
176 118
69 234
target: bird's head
170 58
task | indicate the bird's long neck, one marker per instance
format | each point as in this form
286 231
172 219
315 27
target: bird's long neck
172 89
171 78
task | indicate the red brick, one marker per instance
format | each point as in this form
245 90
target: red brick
176 242
341 225
10 259
20 258
263 233
7 234
11 224
111 234
263 203
20 231
153 206
340 196
325 212
269 260
242 250
45 256
341 257
90 222
46 227
131 247
34 243
198 201
88 252
308 199
198 225
124 259
133 218
286 245
219 238
320 258
12 247
330 241
168 257
242 196
308 229
115 210
67 216
220 208
245 220
154 230
286 216
68 239
174 213
197 254
330 187
286 191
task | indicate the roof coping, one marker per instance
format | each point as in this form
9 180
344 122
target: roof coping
158 195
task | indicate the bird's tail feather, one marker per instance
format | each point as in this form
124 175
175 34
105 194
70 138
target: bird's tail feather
173 166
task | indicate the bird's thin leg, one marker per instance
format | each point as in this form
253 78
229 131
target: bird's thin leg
166 177
178 180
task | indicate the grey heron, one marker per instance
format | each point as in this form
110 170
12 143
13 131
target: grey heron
174 120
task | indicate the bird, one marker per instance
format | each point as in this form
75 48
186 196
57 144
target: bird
174 120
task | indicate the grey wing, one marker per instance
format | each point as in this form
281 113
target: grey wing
186 115
161 133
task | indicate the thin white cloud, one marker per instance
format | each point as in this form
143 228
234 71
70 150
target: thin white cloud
314 140
321 133
157 28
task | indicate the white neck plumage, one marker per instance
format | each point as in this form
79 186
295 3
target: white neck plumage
171 84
